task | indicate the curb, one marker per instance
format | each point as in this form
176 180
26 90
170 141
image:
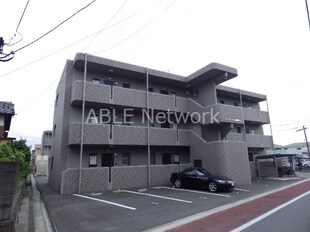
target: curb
53 224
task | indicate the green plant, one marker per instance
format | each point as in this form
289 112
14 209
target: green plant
17 151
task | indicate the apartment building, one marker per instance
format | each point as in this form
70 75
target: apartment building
6 113
46 142
140 125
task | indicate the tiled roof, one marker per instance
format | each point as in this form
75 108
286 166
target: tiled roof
7 108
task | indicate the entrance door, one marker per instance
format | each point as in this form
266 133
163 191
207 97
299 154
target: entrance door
107 160
166 158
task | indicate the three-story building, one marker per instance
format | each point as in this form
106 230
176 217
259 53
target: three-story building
118 125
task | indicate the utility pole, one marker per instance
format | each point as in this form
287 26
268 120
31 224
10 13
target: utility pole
304 129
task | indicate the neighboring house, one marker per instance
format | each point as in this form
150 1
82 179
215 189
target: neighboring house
300 149
6 113
120 145
41 161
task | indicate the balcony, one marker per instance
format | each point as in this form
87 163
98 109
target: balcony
94 134
105 94
217 113
254 115
95 93
235 137
259 141
99 134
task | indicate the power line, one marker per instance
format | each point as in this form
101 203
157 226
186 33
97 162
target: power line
34 41
68 46
110 20
307 12
288 124
16 30
137 31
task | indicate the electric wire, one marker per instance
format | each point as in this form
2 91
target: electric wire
106 24
17 27
308 12
137 31
54 28
68 46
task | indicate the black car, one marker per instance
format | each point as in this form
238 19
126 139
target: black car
200 178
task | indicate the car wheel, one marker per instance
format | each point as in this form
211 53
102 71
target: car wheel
178 183
306 166
212 186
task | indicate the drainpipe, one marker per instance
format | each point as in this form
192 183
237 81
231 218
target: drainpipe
148 130
82 125
273 148
241 103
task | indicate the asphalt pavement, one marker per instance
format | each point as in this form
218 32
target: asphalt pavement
159 208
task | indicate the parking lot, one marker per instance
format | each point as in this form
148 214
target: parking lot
141 209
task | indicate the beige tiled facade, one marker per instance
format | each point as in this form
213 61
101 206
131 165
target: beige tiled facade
115 154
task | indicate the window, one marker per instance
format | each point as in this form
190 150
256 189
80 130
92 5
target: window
126 85
251 156
97 81
153 158
166 158
176 158
165 125
109 82
126 159
151 90
222 101
195 93
238 129
93 159
163 91
298 148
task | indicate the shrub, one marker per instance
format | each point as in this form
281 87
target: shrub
17 151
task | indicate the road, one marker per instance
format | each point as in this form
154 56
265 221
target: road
293 217
286 210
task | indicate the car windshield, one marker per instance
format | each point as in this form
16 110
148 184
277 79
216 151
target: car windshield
202 172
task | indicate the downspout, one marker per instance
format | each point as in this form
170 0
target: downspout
241 104
273 148
82 125
148 131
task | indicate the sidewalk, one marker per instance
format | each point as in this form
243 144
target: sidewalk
32 215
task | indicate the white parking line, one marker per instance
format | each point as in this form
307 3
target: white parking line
107 202
195 191
158 196
250 223
243 190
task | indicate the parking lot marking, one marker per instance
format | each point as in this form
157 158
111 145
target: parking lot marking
195 191
157 196
243 190
107 202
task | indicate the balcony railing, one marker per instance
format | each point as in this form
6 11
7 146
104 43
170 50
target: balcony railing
105 134
257 141
254 115
105 94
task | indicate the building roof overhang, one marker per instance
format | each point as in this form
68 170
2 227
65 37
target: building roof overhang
212 72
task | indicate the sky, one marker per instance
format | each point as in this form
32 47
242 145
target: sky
268 42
